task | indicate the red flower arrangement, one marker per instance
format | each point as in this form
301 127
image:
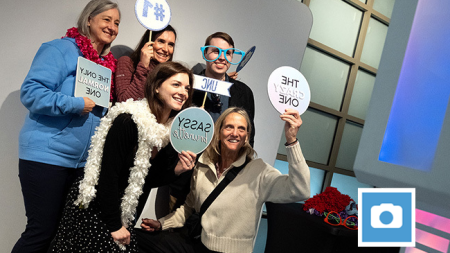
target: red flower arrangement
329 200
88 51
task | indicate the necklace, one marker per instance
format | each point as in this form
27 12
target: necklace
88 51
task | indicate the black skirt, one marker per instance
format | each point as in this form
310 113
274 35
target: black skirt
82 230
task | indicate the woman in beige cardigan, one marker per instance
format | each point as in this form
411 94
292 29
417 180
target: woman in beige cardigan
230 223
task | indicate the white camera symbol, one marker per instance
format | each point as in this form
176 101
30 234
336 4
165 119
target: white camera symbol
397 216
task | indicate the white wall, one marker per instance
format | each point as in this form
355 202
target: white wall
279 29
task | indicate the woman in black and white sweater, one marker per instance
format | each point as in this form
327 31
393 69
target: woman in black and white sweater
127 151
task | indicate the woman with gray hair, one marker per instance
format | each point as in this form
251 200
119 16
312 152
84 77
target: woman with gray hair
55 137
231 221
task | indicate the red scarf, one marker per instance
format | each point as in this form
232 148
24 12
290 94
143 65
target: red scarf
88 51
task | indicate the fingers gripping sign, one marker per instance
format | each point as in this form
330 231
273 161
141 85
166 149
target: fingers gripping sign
186 162
147 53
292 124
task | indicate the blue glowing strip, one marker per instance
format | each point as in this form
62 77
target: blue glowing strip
423 90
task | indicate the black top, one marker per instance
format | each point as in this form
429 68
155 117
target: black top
118 157
241 96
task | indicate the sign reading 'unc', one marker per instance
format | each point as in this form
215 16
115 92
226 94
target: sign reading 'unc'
212 85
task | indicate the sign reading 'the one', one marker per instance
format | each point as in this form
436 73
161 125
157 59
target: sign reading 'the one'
288 88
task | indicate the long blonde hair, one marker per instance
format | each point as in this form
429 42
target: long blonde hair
213 150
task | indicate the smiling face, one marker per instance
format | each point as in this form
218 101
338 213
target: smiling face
163 46
233 134
219 67
104 28
174 92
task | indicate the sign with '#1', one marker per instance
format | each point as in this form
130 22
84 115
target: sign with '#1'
212 85
93 81
288 88
191 130
154 15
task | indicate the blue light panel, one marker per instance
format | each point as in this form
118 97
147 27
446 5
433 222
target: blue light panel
423 91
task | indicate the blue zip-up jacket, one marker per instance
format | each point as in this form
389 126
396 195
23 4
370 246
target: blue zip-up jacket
54 131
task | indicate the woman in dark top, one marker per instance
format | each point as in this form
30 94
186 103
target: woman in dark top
127 151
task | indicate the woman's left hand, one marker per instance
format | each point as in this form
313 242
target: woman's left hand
150 225
186 162
293 123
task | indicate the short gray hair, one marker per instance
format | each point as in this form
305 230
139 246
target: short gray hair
92 9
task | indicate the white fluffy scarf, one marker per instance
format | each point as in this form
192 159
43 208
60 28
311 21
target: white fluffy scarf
150 134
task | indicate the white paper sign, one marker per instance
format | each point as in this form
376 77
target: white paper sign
212 85
154 15
288 88
93 81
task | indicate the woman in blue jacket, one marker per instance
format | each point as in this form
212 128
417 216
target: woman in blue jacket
55 137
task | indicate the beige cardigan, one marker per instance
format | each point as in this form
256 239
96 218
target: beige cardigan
230 223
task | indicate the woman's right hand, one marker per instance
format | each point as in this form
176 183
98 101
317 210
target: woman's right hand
186 162
233 75
293 121
88 105
122 236
147 53
150 225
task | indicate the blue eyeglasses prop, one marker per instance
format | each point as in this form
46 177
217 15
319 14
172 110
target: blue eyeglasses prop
232 55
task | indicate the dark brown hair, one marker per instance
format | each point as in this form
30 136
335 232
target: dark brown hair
222 35
136 55
161 73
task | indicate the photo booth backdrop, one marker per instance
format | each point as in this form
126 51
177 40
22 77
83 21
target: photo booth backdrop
279 30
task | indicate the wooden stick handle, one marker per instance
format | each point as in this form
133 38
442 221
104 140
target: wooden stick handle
204 99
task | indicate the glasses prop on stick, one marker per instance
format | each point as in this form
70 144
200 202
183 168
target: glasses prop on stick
154 15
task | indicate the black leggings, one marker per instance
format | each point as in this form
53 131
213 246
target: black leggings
44 188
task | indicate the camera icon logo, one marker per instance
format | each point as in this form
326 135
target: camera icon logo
386 215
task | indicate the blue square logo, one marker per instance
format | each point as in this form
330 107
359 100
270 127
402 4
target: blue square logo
387 217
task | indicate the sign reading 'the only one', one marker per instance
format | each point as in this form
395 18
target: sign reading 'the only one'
93 81
191 130
288 88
